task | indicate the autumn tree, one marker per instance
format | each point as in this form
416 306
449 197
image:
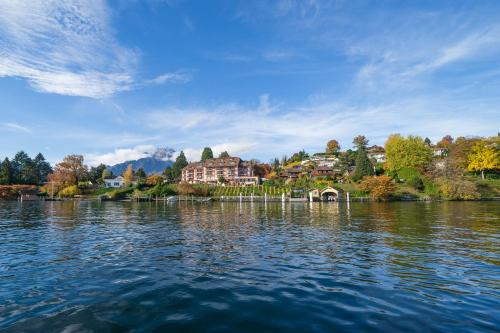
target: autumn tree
332 147
483 157
154 180
71 170
410 152
360 141
207 154
380 188
224 154
128 175
445 142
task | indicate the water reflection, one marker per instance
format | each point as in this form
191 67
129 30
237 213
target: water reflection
238 266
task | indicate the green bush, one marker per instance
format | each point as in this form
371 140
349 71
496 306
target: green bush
412 177
120 193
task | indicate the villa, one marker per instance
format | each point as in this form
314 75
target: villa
114 182
232 169
377 153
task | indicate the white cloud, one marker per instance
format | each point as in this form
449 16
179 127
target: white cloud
68 48
16 128
250 132
120 155
177 77
63 47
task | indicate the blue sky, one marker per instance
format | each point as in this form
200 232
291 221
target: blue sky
114 79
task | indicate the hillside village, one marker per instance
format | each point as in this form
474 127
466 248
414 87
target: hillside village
406 168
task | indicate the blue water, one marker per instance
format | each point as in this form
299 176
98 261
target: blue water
119 267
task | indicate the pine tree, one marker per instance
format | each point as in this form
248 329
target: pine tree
363 165
224 154
207 154
6 172
42 168
180 163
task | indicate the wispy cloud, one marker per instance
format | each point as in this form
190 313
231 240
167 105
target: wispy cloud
176 77
68 48
273 128
14 127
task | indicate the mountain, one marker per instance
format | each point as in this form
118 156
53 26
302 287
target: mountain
155 163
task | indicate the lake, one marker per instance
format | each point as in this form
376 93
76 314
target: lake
230 267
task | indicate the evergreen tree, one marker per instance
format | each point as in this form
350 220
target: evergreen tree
206 154
42 167
5 172
363 165
224 154
19 167
180 163
140 173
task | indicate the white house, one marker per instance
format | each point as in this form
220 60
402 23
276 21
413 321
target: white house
115 182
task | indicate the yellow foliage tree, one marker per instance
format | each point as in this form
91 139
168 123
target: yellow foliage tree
380 187
154 179
128 175
484 156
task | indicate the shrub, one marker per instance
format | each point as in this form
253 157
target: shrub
120 193
412 177
70 191
380 188
459 189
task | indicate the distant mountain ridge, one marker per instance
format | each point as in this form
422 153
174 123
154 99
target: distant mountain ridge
156 163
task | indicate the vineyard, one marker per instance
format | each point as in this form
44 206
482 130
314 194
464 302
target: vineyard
257 190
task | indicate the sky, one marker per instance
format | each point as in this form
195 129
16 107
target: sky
112 80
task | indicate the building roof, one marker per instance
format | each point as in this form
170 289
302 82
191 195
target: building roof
218 162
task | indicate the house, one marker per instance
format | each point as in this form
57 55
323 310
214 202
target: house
232 169
114 182
293 172
439 151
377 153
323 171
322 160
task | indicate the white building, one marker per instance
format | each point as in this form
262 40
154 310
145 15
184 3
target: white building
115 182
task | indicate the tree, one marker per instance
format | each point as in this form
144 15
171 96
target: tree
23 171
6 172
332 147
428 142
154 180
96 174
180 163
224 154
445 142
207 154
221 179
363 165
360 141
410 152
380 187
484 157
70 171
42 168
140 174
128 175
